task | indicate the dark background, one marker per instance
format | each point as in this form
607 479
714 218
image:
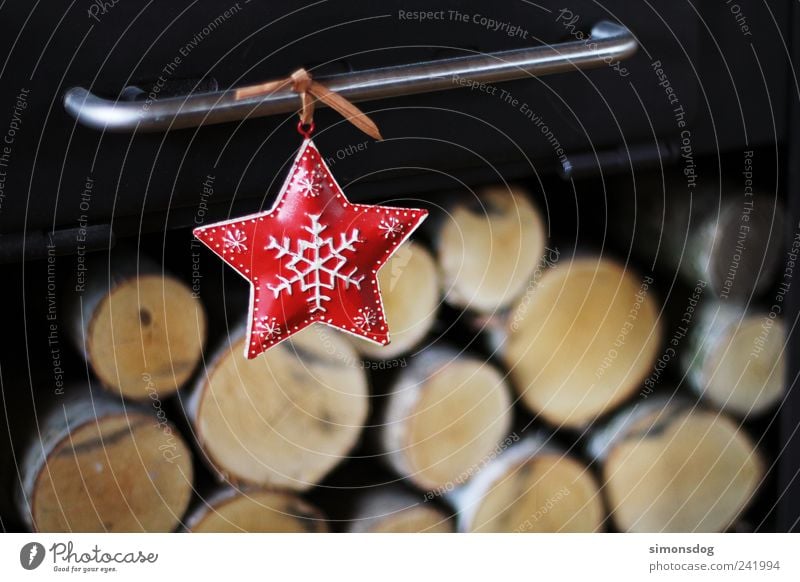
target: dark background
739 91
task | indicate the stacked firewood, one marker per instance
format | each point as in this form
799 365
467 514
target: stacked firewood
524 391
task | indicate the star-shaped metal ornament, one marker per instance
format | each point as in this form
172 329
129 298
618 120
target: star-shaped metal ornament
314 257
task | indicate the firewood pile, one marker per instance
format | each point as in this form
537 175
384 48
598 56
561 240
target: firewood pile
529 387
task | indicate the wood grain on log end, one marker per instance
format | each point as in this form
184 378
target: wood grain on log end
120 473
286 418
410 289
744 245
530 488
489 250
739 362
680 470
146 335
583 340
255 511
445 415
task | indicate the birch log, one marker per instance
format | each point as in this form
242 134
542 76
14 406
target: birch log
736 359
717 233
231 510
410 289
393 509
669 467
99 466
489 249
530 487
286 418
142 331
444 415
582 340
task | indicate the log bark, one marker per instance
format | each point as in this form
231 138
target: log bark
284 419
715 233
530 487
411 292
444 415
99 466
141 330
488 249
231 510
393 509
670 467
582 340
735 358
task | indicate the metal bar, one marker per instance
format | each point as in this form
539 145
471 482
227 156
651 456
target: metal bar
609 43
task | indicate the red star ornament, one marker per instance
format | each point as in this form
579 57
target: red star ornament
314 257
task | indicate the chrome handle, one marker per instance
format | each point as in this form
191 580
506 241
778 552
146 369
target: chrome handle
609 43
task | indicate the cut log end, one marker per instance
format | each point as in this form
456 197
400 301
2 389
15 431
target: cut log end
529 488
256 512
410 290
550 493
120 473
146 336
678 470
445 417
286 418
583 341
413 520
745 245
393 510
744 373
489 251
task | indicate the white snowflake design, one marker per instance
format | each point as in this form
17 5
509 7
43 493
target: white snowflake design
309 183
390 227
321 271
366 318
234 240
268 328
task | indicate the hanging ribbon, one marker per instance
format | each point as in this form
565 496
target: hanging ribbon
310 91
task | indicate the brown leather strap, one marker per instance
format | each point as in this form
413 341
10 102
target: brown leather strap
310 91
